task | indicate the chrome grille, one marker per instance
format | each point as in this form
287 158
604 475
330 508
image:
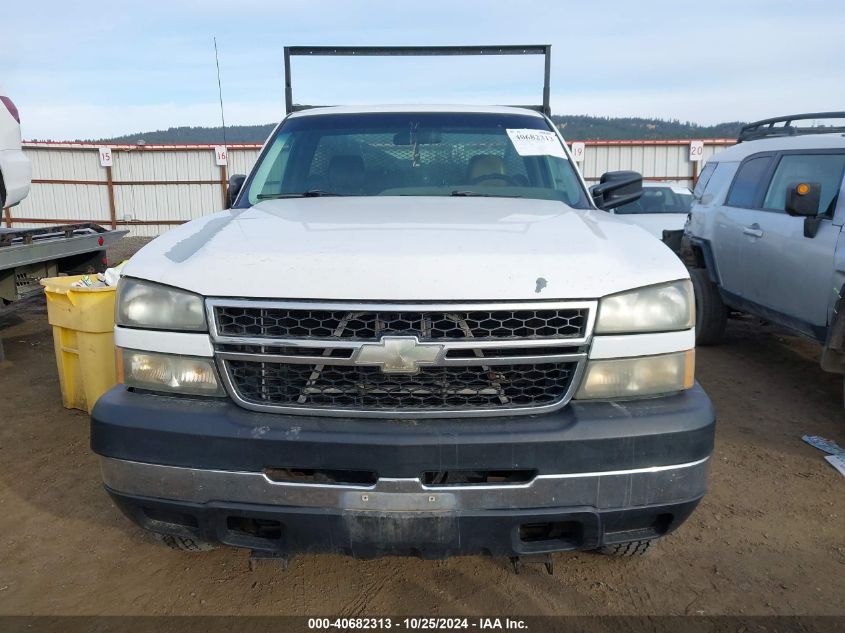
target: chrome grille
471 359
433 388
370 325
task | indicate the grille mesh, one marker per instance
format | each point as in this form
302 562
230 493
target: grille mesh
370 326
356 387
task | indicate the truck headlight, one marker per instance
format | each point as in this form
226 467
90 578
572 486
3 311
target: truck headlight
639 376
660 308
189 375
144 304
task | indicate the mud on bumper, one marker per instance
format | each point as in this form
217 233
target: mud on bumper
593 474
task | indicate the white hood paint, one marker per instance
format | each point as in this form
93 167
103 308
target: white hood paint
407 249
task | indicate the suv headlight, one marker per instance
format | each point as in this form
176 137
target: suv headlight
661 308
144 304
171 373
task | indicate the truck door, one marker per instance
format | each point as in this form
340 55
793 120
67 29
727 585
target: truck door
785 272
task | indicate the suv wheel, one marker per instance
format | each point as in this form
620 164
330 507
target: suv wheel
711 315
628 550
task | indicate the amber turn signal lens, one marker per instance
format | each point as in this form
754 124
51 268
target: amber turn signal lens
803 189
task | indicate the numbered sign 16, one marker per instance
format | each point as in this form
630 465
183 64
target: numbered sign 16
696 151
221 155
577 150
105 157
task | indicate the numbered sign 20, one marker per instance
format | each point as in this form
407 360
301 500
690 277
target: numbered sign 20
696 151
105 157
221 155
577 150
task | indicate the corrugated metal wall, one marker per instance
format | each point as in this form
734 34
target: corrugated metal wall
150 188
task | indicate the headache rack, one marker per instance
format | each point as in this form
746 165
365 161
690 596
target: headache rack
782 126
417 51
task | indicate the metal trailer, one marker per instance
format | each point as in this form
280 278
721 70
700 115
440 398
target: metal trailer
29 255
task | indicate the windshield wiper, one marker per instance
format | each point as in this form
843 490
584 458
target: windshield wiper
311 193
478 194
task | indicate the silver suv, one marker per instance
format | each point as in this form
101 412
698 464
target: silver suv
765 231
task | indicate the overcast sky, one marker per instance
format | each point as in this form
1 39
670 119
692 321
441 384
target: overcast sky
91 69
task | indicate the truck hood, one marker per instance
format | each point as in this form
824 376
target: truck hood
407 248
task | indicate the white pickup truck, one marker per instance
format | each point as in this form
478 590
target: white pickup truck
414 332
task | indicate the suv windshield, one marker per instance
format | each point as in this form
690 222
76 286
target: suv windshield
416 154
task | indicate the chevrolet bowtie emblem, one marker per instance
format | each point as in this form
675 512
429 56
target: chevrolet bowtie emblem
398 354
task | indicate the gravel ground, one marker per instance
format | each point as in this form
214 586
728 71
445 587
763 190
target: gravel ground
766 540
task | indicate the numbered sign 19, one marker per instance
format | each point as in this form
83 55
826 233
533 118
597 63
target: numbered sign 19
221 155
105 157
696 151
577 150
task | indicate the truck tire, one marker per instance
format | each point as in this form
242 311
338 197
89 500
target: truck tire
711 315
184 543
628 550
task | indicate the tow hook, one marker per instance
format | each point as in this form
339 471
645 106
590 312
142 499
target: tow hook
519 562
257 555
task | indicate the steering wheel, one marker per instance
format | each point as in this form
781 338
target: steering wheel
508 179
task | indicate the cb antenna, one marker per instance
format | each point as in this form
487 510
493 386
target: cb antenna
220 93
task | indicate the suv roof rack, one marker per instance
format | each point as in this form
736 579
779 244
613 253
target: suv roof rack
361 51
767 127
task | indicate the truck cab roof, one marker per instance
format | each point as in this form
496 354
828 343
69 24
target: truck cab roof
375 109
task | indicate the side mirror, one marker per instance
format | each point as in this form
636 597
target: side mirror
236 183
617 188
803 199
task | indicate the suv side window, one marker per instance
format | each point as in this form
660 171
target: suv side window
703 179
825 169
747 182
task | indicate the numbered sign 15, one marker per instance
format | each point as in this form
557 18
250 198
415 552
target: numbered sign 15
577 150
221 155
105 157
696 151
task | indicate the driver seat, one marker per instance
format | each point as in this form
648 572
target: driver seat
483 169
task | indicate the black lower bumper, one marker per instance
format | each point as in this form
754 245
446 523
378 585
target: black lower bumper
581 437
290 530
594 474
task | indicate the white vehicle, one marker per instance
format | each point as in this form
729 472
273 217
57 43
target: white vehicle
413 333
15 170
663 207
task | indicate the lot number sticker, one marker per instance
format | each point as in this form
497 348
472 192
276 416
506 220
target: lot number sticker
105 157
577 150
221 155
696 151
536 143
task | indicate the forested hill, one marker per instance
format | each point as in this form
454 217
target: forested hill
588 128
573 127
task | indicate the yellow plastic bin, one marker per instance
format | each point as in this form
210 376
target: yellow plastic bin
83 336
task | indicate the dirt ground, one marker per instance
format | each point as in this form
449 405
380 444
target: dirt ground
768 539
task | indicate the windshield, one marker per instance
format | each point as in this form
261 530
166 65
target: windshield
416 154
658 200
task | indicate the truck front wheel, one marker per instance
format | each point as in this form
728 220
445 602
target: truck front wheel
184 543
711 315
628 550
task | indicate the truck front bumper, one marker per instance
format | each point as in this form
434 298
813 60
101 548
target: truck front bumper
598 473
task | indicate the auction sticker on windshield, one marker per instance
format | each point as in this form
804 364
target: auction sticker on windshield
535 143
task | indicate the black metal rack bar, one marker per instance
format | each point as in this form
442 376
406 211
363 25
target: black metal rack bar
418 51
769 127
